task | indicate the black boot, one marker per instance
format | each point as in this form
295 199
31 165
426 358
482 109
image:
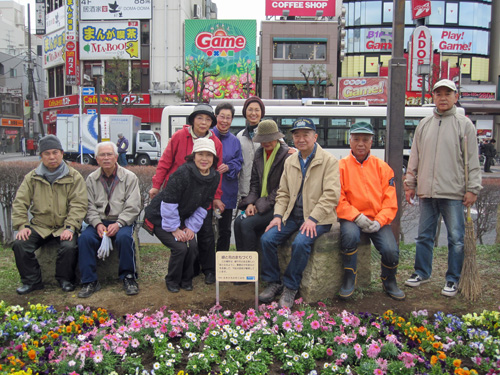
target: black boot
350 259
388 277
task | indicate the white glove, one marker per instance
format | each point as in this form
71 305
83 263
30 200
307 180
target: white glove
106 247
374 227
363 222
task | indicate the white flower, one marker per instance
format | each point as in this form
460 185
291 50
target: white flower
296 357
326 365
152 340
305 355
343 356
156 366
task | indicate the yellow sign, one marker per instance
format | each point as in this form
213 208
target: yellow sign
12 122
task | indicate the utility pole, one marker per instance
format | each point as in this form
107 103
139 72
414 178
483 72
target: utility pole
396 107
32 95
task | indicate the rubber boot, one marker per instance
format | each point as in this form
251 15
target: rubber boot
388 277
350 259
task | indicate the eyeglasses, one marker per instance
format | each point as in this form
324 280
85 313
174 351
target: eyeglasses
223 118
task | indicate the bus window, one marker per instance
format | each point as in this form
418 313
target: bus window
177 122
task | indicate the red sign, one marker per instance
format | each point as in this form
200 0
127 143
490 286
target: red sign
373 90
420 8
414 98
208 42
72 100
477 95
307 8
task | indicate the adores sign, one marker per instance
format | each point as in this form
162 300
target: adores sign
306 8
420 52
220 43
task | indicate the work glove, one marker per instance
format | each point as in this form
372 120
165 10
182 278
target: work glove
106 247
363 222
373 227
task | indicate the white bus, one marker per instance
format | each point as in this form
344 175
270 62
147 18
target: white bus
332 118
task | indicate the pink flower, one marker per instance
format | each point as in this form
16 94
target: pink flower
329 351
373 350
321 304
98 357
135 343
120 350
362 331
315 324
299 326
287 325
358 351
378 371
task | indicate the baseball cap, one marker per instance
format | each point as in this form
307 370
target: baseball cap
303 123
445 83
362 128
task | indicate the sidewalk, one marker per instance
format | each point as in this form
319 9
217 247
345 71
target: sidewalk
18 156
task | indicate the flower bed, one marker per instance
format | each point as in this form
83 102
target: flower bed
306 341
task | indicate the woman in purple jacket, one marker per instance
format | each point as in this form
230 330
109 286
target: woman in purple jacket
179 210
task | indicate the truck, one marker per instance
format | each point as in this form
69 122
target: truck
144 147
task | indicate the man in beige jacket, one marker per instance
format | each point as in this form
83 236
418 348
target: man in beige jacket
306 201
436 174
113 206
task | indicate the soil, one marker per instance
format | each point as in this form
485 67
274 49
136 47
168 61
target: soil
153 293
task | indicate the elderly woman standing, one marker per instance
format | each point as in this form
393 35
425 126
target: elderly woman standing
266 174
179 210
253 111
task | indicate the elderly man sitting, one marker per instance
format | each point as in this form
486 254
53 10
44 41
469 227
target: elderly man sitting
113 206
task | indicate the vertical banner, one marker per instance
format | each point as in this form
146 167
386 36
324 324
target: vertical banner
71 55
420 53
40 17
224 52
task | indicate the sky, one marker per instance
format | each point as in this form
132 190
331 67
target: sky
227 9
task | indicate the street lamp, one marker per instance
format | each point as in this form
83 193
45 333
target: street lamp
423 70
98 72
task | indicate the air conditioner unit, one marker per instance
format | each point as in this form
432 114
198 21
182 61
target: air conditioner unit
196 11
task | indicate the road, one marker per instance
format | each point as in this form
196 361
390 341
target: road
410 236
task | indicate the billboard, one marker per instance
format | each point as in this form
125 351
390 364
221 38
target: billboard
307 8
109 40
53 49
40 17
373 90
226 52
106 10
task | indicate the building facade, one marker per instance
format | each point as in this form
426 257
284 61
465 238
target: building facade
293 53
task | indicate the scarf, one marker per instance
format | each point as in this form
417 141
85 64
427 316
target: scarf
195 137
267 167
60 172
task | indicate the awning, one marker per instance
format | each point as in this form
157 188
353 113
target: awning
490 107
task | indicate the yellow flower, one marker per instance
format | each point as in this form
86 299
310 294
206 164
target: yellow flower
457 362
434 359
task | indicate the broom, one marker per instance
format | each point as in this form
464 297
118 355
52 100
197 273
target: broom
470 284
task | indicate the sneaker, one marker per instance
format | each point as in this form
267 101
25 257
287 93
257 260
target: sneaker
287 298
416 280
450 289
89 288
270 293
130 285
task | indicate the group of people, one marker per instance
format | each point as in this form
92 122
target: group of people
489 151
206 172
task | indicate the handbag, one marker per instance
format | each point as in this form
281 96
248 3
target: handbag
148 226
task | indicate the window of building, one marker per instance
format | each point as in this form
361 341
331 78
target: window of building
451 12
388 12
300 50
437 15
296 91
474 14
13 73
2 69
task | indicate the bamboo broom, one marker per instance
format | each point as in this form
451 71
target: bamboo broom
470 283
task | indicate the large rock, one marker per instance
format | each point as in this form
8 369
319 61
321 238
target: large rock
323 275
107 270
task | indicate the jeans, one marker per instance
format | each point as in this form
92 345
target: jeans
383 240
454 219
88 244
301 249
122 159
248 230
224 240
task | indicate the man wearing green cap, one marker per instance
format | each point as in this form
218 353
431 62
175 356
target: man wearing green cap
368 203
56 196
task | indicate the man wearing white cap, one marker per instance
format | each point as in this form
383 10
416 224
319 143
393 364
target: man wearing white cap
436 175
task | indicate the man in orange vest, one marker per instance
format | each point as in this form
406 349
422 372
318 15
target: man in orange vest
368 203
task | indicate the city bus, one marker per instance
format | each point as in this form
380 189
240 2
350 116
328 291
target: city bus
332 118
